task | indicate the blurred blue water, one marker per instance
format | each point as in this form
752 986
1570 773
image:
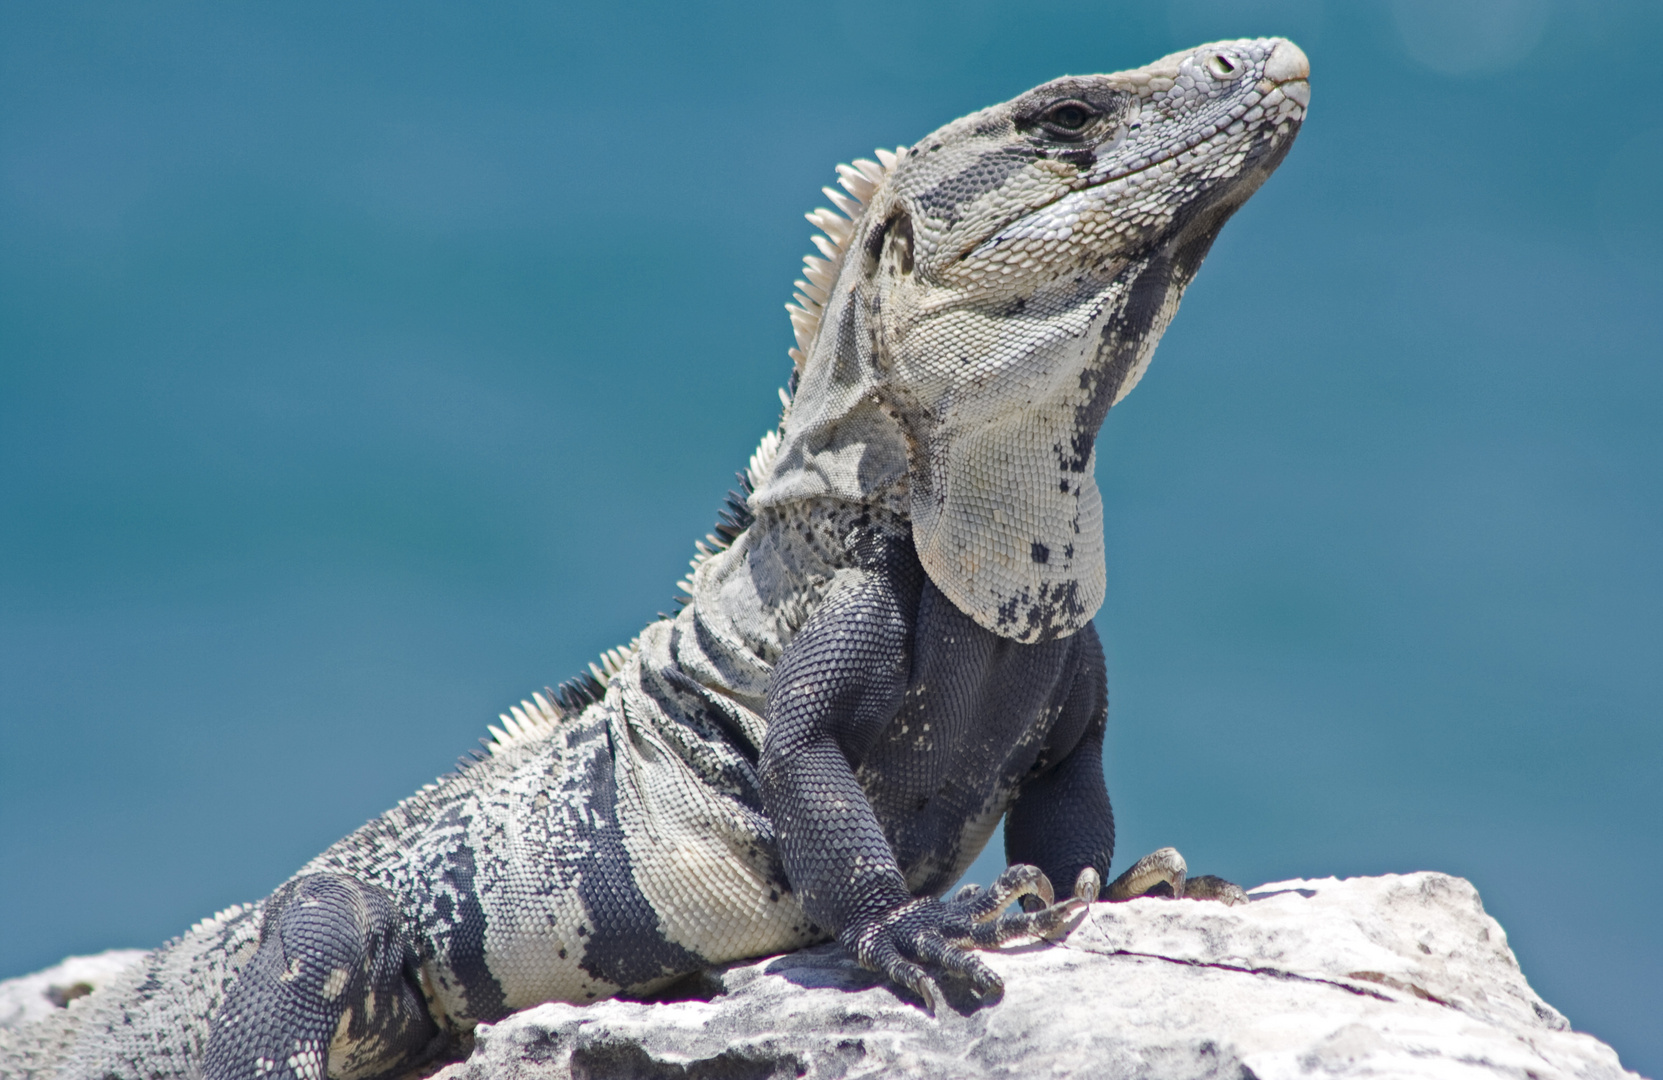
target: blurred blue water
363 369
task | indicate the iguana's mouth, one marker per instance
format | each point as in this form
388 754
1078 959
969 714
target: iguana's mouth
1209 133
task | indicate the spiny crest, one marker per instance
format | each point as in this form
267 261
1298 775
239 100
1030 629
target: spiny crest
217 919
527 720
735 516
762 460
538 717
859 180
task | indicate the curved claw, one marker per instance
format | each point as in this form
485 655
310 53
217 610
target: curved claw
917 980
1158 866
956 960
1089 885
926 988
1047 922
1041 883
1166 865
942 934
1017 882
877 951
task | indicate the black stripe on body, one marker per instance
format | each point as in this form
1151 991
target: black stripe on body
624 946
453 921
467 942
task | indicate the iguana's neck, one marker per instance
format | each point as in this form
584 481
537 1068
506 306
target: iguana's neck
840 440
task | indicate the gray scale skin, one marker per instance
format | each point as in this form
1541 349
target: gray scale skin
887 651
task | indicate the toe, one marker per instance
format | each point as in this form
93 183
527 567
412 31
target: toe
1213 887
955 960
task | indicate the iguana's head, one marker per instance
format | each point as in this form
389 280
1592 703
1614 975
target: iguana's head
998 286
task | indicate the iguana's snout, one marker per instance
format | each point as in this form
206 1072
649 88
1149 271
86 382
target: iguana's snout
1286 65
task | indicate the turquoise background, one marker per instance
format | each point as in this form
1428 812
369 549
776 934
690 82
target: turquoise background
364 367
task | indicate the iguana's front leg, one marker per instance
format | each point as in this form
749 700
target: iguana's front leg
836 686
1061 820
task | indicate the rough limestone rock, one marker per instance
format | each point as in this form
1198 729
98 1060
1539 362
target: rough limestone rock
1379 977
34 996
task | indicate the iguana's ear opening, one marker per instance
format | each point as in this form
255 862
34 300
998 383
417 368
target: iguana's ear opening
892 237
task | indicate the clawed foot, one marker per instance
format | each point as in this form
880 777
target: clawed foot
1163 873
943 933
908 941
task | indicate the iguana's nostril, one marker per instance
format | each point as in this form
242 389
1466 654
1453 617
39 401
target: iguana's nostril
1223 67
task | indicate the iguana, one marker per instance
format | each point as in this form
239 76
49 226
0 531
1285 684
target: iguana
885 648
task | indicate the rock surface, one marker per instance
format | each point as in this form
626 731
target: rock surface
1377 977
34 996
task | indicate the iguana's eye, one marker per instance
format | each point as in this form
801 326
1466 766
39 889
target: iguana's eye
1067 119
1223 67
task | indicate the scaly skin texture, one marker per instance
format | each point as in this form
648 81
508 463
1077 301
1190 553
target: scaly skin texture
885 649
